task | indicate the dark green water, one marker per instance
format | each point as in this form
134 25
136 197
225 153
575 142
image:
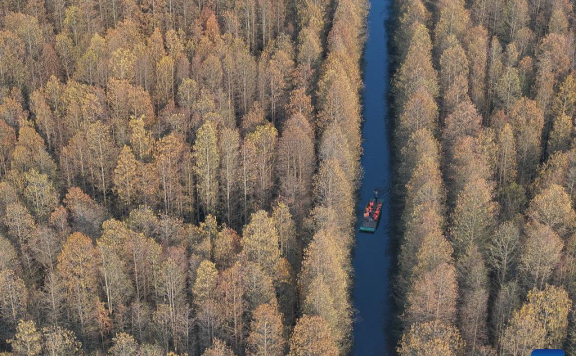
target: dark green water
372 262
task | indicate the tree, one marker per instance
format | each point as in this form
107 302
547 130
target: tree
27 341
169 154
13 299
542 322
103 156
295 164
124 345
309 55
425 224
260 243
9 256
59 341
417 71
420 112
87 215
453 23
561 135
477 51
52 298
508 89
275 70
289 245
229 147
472 161
453 74
420 146
171 315
165 80
260 151
513 200
540 255
40 194
207 162
553 207
73 160
143 255
507 302
67 52
205 300
140 139
259 285
78 268
433 296
7 143
410 13
565 103
113 267
335 145
528 122
44 117
553 64
233 287
30 152
463 121
12 67
151 350
126 176
121 64
503 251
226 246
22 230
130 110
45 246
333 190
506 165
425 189
92 63
431 338
266 332
218 348
311 337
474 292
474 216
324 282
12 112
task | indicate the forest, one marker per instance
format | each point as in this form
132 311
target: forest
178 177
485 98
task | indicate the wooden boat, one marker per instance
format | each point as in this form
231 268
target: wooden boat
372 214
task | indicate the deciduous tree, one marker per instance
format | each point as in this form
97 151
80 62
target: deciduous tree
207 162
542 322
432 338
266 332
312 337
78 268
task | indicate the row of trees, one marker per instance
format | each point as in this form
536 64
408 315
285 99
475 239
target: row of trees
484 97
178 177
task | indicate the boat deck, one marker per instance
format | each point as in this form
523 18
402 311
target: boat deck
369 225
370 222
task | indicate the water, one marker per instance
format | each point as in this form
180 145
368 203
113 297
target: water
372 262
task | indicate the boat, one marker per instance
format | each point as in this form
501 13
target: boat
372 214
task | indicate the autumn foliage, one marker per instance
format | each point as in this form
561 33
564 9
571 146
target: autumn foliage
484 106
178 177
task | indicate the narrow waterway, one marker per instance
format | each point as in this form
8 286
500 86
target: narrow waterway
372 262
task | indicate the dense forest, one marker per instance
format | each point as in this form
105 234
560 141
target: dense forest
485 96
178 177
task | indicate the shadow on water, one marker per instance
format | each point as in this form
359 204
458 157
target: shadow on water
372 292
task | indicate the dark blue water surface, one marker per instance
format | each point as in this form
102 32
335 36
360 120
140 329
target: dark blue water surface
372 262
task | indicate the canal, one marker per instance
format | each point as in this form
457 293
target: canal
372 262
